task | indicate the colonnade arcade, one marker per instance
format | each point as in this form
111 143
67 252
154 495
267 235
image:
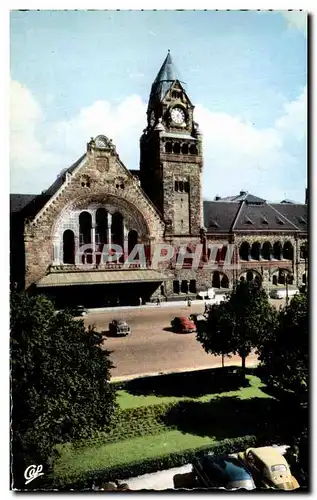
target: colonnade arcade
95 228
266 251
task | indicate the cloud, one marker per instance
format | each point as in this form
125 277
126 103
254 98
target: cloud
296 19
269 162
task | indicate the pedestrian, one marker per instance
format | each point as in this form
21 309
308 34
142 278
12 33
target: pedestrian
140 301
158 301
189 302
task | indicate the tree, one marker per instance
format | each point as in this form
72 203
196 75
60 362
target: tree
240 323
60 388
284 355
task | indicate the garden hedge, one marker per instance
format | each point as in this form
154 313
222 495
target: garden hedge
86 481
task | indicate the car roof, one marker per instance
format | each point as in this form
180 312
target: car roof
229 468
269 455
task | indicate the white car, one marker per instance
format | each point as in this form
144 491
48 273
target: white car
207 294
280 293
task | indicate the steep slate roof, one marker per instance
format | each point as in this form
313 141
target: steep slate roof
246 212
219 216
27 204
296 213
61 177
167 75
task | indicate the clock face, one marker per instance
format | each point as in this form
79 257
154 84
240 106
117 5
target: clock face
101 143
178 115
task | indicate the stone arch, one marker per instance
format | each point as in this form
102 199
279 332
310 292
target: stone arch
303 251
185 149
288 251
255 250
251 276
266 250
101 235
244 250
277 250
219 280
168 147
68 247
117 229
280 275
193 149
176 148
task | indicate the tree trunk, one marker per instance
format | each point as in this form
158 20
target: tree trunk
243 358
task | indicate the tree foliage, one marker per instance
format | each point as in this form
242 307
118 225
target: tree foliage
240 323
60 387
284 356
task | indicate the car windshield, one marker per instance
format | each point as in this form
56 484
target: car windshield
228 467
279 468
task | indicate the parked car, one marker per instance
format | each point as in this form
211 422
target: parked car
119 327
280 293
183 325
78 310
216 471
206 294
269 468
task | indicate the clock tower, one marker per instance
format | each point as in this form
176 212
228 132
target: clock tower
171 159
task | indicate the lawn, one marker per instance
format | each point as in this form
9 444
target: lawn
253 390
169 418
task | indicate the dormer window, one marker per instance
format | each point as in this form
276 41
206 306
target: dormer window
213 223
301 220
264 220
279 221
248 221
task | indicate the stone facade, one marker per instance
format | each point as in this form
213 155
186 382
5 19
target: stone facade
160 203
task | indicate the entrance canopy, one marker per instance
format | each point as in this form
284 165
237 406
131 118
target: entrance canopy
101 277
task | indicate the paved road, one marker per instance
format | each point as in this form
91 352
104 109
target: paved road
152 348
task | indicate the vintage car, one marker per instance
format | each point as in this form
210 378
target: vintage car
269 468
206 294
216 471
183 325
280 293
78 310
119 327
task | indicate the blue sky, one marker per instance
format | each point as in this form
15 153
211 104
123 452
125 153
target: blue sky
75 74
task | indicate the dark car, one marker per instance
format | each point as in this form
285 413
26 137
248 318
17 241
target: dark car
119 327
216 471
78 310
183 325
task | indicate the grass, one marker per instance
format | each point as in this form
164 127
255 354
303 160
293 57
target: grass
126 451
150 426
254 390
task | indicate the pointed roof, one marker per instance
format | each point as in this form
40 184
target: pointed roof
166 76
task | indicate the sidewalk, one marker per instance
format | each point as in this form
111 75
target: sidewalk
153 305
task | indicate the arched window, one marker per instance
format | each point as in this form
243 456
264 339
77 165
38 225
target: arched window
193 149
244 250
266 250
176 286
224 283
216 279
304 279
176 187
277 250
101 226
304 251
288 252
185 149
255 251
132 240
249 276
68 247
181 186
184 286
186 187
168 147
274 280
192 286
85 228
176 148
117 229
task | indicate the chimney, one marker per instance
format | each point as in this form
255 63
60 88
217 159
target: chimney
217 198
243 193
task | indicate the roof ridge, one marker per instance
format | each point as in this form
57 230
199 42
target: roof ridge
242 203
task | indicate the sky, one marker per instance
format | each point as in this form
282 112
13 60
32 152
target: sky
77 74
